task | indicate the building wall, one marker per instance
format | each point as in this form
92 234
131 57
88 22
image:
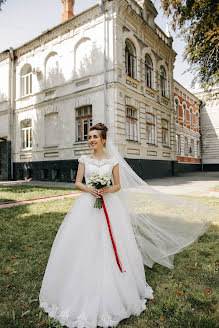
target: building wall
210 128
66 65
185 128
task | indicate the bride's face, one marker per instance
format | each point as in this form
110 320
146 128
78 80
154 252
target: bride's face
95 141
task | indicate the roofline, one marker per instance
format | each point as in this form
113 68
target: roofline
52 29
187 90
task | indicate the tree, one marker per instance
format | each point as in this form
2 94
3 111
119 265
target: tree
197 21
1 2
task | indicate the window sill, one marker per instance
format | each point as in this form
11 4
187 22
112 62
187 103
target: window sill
26 149
50 146
165 146
80 142
135 141
25 97
151 144
132 78
165 97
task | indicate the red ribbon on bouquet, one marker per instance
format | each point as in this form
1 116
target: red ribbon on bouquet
111 235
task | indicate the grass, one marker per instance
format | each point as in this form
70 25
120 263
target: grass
16 193
27 233
215 188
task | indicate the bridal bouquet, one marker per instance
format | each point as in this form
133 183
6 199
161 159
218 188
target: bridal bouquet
97 181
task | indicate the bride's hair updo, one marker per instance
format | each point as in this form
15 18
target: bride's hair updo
100 127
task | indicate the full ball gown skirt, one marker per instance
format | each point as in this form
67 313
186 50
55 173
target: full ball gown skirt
82 285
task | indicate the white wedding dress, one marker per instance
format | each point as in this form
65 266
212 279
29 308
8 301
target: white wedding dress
83 286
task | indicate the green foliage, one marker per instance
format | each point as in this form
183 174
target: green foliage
198 23
1 2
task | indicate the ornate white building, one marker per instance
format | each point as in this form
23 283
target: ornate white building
110 63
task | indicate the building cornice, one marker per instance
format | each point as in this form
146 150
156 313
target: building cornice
186 90
50 34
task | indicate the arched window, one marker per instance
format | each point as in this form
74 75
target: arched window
191 116
184 113
130 59
197 120
148 71
163 81
176 105
26 80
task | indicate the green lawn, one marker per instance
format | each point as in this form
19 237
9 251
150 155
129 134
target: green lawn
215 188
16 193
27 233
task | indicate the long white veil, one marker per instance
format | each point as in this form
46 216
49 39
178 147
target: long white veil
163 225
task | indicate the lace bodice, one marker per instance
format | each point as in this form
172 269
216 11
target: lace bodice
93 166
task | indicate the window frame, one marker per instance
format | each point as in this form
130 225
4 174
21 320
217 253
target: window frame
184 113
130 71
149 72
131 120
176 105
191 116
152 129
197 120
186 146
26 135
163 82
166 129
178 144
82 119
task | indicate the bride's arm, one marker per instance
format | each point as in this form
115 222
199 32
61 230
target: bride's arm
116 186
79 185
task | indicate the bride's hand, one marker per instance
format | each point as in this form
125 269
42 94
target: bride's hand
105 190
94 192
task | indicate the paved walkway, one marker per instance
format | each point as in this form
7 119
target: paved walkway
193 184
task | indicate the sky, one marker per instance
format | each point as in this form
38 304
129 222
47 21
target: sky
23 20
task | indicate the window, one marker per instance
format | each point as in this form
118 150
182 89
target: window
164 124
197 120
26 134
198 148
178 144
191 149
150 128
186 146
131 124
130 59
176 105
163 81
184 113
191 116
148 72
83 122
26 80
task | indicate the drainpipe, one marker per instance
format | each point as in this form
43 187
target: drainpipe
11 95
102 6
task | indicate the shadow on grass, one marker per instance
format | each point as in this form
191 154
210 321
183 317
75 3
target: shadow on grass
28 233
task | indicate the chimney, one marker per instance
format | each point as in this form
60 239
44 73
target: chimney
67 9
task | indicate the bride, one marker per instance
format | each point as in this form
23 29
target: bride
95 273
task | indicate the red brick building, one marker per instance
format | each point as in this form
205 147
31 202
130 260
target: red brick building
187 125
